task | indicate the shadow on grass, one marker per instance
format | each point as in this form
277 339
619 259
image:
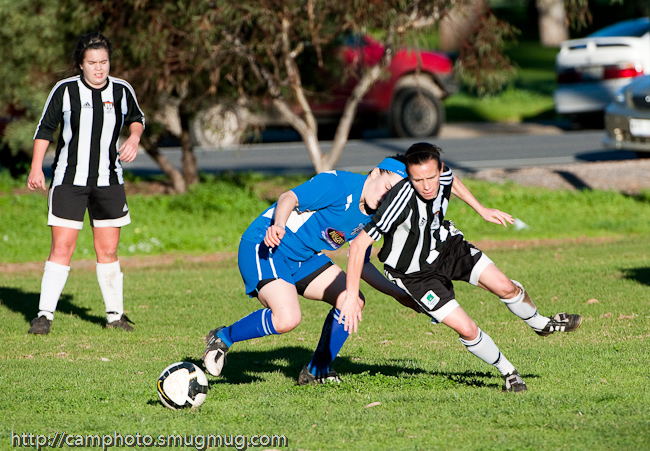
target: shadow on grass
641 275
246 367
26 303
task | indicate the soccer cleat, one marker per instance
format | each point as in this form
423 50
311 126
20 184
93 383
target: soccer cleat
122 323
560 323
514 382
214 357
40 326
306 378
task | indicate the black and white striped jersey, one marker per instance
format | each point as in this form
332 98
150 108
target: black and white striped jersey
414 230
91 121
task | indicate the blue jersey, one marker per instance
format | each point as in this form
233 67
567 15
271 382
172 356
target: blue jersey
327 216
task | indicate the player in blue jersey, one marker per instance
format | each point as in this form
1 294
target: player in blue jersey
280 258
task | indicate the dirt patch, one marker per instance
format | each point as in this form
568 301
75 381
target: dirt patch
339 255
125 262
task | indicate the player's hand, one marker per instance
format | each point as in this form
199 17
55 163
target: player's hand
350 315
36 179
129 150
274 235
497 217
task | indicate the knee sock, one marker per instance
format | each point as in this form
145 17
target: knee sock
485 349
54 279
522 306
111 283
257 324
331 341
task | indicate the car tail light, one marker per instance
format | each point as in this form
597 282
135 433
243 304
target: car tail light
622 71
595 73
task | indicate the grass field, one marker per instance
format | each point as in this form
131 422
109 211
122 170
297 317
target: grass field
407 385
587 390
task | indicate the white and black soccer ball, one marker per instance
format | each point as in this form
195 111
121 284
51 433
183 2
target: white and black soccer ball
182 385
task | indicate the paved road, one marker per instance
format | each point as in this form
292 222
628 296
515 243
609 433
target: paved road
466 148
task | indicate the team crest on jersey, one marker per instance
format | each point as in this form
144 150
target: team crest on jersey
334 237
109 107
430 299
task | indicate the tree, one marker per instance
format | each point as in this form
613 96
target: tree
184 56
28 71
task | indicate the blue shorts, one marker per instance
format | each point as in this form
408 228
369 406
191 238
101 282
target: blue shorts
259 265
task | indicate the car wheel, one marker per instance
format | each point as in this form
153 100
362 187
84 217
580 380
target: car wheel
416 113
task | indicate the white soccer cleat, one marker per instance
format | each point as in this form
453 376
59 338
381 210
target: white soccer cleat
214 357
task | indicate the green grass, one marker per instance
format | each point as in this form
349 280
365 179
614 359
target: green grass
213 215
587 391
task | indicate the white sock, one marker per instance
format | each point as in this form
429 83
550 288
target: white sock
522 306
54 279
111 282
485 349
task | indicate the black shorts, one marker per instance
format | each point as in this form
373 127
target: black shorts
106 205
432 286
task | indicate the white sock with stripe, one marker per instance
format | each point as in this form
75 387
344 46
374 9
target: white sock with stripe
485 349
522 306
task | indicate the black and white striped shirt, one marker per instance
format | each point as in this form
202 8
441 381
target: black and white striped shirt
414 229
91 121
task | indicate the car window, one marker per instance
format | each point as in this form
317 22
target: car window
632 28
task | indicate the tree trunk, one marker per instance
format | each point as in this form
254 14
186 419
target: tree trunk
188 159
456 26
173 174
553 27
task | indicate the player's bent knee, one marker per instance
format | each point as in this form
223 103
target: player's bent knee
286 323
468 331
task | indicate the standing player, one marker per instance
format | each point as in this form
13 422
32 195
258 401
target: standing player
280 258
423 253
91 108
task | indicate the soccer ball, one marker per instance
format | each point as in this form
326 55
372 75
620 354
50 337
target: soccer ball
181 385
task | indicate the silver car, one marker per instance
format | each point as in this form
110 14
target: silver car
591 70
627 118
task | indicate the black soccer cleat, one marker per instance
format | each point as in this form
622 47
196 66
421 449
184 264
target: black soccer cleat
514 383
306 378
560 323
214 356
123 323
40 326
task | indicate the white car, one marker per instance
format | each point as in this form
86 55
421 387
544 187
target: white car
591 70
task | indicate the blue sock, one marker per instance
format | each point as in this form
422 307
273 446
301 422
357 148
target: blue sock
331 341
257 324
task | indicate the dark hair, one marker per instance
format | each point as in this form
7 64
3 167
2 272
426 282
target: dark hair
90 41
421 153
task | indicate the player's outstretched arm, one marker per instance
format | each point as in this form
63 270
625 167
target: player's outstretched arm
493 215
351 308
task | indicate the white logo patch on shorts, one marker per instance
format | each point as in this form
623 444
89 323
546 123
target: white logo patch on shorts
430 299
